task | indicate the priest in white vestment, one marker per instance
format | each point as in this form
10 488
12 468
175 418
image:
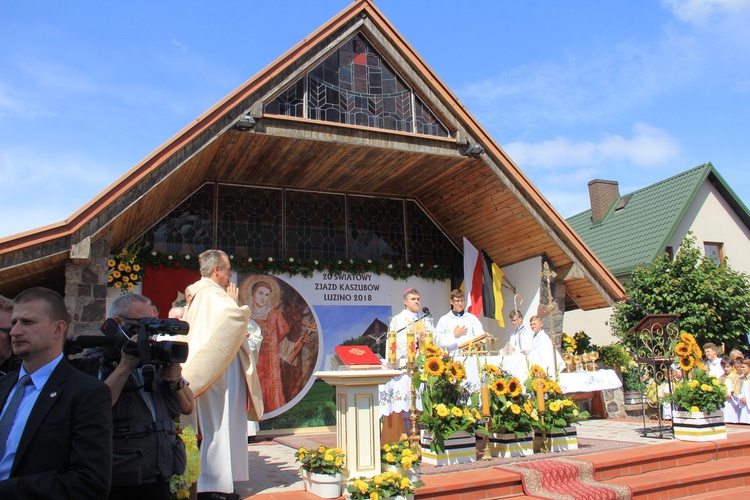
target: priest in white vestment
222 376
542 352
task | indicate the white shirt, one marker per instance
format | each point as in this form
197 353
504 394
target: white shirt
445 337
714 367
541 353
521 339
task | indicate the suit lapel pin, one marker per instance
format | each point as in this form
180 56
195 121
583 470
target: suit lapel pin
53 394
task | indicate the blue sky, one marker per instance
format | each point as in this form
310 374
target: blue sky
627 90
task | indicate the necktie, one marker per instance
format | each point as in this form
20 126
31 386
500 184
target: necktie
10 412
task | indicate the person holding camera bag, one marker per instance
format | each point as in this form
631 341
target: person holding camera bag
147 450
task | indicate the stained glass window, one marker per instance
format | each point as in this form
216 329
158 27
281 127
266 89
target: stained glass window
356 86
315 225
249 221
376 229
264 222
188 229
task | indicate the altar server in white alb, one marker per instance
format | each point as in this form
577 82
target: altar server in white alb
521 337
542 352
458 326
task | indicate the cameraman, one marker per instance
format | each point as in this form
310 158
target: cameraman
147 451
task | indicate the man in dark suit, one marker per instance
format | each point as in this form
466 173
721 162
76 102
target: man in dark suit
59 445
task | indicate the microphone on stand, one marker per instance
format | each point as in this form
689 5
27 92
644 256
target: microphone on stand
426 312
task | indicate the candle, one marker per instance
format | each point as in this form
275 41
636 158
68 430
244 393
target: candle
426 339
485 401
391 348
411 345
539 386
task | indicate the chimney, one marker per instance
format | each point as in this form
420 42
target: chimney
602 195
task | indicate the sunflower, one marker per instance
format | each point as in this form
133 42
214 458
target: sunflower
457 371
515 409
434 366
431 350
120 266
514 387
687 363
500 387
111 263
687 338
682 349
555 406
554 387
491 370
134 277
110 278
536 371
136 267
539 384
697 351
116 274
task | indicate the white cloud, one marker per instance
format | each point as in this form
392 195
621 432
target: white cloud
701 11
647 146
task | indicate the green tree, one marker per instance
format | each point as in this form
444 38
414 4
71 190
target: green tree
713 301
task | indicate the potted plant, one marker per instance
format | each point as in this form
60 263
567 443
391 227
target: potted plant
556 413
399 457
388 485
182 486
322 470
449 408
509 428
699 397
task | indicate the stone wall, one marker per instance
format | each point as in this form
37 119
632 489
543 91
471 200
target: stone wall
86 289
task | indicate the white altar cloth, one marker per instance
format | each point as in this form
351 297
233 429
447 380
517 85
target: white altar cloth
582 381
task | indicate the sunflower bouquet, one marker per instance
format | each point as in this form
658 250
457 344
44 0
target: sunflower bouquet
568 343
448 404
698 391
511 410
560 410
124 272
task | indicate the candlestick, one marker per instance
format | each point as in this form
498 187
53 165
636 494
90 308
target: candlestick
426 340
485 401
411 345
391 348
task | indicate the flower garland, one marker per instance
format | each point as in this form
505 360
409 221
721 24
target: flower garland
179 485
124 271
304 267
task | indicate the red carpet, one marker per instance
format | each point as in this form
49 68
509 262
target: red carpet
565 479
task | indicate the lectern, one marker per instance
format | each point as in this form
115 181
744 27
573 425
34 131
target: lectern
358 417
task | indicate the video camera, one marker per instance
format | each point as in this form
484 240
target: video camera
147 347
151 351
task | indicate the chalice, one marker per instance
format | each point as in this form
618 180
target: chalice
594 355
568 358
577 358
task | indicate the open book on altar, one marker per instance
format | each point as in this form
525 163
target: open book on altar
476 341
357 357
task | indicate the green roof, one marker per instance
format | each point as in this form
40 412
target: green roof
638 232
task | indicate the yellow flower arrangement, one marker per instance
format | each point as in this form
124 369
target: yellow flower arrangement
179 485
699 391
400 454
124 272
446 398
321 460
387 484
559 410
509 411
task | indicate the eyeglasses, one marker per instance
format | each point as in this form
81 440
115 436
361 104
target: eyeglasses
458 300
